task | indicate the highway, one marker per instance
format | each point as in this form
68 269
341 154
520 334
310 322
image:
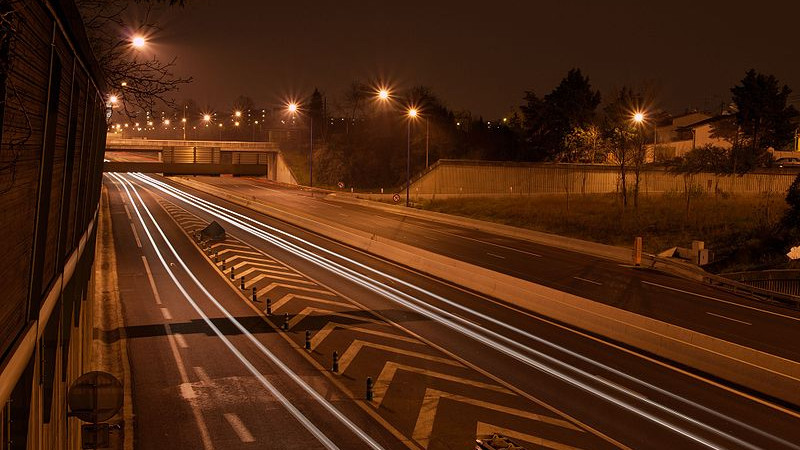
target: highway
664 297
213 370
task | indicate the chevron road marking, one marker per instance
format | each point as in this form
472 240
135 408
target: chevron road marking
239 252
288 297
487 429
272 286
253 262
390 369
352 351
271 271
320 335
326 312
430 405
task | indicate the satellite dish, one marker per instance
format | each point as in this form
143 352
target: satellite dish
95 397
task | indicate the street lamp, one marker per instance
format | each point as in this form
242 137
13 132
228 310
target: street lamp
412 114
293 109
138 42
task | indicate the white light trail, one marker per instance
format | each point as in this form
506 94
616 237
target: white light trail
465 327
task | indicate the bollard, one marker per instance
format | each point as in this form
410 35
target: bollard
241 282
254 295
335 366
268 309
308 340
285 325
233 274
369 389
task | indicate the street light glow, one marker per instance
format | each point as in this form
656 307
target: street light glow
138 41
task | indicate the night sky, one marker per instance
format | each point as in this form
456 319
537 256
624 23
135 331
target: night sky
478 56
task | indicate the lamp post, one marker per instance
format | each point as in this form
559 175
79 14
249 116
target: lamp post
293 109
412 114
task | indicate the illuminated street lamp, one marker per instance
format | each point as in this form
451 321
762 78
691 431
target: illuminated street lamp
138 42
412 115
293 108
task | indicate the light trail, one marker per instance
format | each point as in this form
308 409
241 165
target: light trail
324 440
240 221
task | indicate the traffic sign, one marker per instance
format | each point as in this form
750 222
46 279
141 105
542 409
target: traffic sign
95 397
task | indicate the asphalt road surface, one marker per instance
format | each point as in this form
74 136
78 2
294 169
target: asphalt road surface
212 370
667 298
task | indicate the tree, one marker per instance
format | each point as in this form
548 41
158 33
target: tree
143 83
621 136
549 120
762 114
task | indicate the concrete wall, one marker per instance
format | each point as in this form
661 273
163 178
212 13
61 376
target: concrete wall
449 178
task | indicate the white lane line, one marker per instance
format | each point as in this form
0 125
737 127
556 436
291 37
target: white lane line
188 392
136 236
588 281
166 314
765 311
181 341
127 211
481 241
238 427
728 318
324 440
202 375
151 280
496 255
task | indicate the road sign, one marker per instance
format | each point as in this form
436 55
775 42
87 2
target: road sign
95 397
396 198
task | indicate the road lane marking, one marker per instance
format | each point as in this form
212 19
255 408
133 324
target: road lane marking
202 375
136 236
728 318
181 341
166 314
496 255
589 281
151 280
430 406
766 311
481 241
238 427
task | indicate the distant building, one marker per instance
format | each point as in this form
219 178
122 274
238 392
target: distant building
685 133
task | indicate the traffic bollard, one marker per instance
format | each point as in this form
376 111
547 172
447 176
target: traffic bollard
369 389
254 295
308 340
335 366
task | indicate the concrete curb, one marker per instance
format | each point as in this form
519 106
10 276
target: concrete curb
763 372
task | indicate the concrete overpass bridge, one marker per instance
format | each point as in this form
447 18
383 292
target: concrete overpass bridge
179 157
